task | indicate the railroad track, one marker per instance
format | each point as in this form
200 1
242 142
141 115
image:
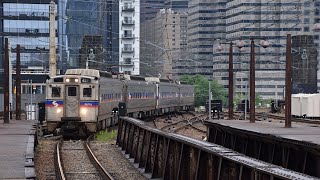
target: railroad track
185 123
76 160
260 116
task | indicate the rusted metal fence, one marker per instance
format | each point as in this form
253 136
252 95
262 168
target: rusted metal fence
170 156
299 156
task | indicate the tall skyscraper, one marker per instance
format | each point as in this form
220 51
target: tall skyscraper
304 61
206 22
149 9
82 20
264 20
27 23
109 29
310 15
166 35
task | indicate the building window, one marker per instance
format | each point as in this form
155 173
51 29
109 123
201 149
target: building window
306 29
127 33
127 61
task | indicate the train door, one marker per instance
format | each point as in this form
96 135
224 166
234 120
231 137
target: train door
72 101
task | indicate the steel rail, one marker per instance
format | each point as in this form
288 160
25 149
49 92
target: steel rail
191 125
300 120
102 171
60 175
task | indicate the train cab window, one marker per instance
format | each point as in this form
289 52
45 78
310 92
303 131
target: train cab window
56 91
72 91
87 92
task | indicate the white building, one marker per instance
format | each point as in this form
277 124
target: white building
129 36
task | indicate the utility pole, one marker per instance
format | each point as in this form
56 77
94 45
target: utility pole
288 82
231 81
209 103
53 63
18 85
252 83
6 82
10 82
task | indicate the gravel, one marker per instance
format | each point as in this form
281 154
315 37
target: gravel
192 132
44 159
76 163
114 161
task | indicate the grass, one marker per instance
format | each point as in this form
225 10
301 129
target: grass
105 136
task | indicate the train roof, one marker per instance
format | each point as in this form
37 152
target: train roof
83 72
88 72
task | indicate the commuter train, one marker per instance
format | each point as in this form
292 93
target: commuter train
84 101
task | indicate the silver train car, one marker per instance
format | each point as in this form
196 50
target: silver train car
84 101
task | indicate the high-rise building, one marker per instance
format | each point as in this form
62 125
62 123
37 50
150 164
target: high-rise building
129 37
27 23
108 19
154 48
149 9
310 15
304 62
166 36
206 22
82 20
264 20
91 53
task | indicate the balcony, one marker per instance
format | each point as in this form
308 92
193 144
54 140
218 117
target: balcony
128 9
126 62
128 50
127 36
127 22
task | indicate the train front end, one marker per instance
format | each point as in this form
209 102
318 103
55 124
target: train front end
72 104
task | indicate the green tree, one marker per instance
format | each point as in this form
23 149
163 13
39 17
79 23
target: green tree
258 99
201 89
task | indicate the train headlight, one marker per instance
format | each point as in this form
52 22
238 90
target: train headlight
67 80
76 80
59 110
84 111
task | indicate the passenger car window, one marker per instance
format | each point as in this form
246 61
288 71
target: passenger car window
72 91
56 91
87 92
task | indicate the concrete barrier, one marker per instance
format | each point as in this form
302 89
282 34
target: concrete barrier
31 145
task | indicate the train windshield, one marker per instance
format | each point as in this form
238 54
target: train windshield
56 91
72 91
87 92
